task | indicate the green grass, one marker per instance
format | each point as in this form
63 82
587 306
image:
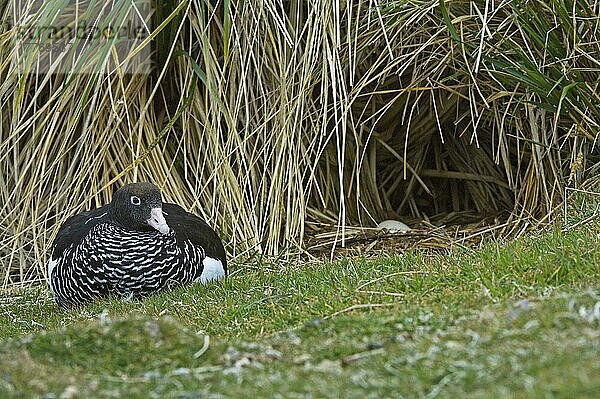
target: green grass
512 319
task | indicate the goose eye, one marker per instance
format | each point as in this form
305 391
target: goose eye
135 200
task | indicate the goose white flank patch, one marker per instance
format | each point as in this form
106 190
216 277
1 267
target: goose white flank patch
133 247
213 270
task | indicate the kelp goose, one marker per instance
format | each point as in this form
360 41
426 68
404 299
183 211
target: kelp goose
132 247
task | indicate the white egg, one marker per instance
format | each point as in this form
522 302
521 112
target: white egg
393 226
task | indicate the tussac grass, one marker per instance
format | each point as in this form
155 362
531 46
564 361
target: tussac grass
513 318
410 110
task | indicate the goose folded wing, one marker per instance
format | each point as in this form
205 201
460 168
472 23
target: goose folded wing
189 227
76 228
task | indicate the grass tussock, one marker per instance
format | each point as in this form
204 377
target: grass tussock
280 120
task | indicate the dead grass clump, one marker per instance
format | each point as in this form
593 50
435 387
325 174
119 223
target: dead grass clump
282 120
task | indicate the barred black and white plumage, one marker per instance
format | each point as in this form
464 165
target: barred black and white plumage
135 246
